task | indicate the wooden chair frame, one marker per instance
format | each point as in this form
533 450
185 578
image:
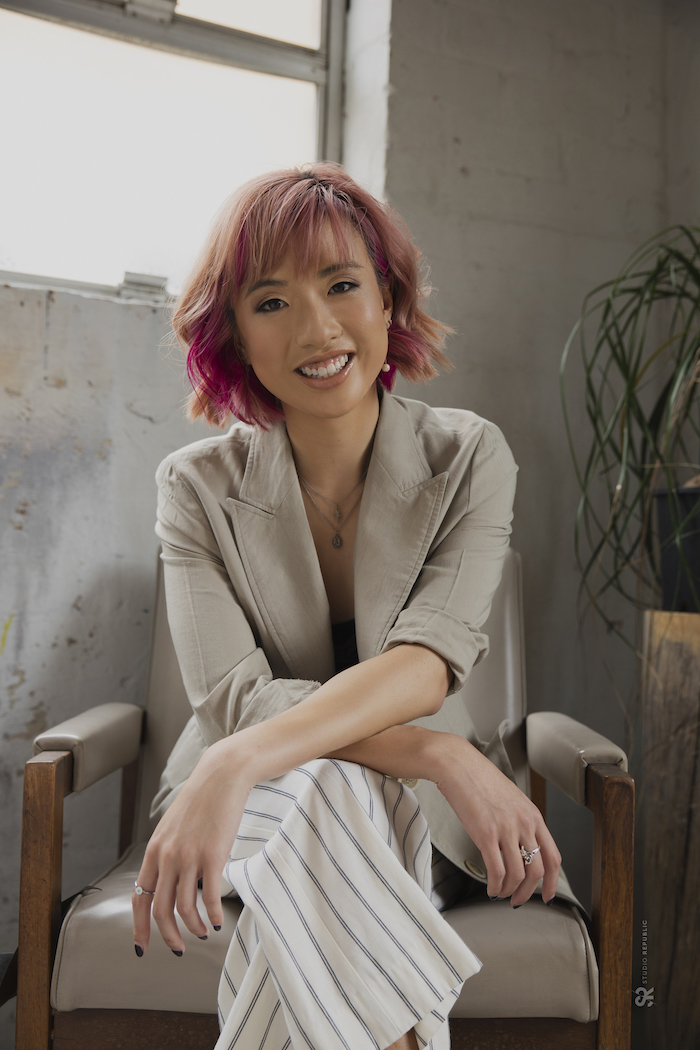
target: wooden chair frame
48 780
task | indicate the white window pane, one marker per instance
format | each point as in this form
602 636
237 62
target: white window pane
115 156
296 21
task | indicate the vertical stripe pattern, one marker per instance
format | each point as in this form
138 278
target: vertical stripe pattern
339 946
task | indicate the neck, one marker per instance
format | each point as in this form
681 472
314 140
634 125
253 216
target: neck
333 454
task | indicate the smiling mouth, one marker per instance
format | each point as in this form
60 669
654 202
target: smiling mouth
329 368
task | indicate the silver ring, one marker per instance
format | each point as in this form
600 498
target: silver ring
528 854
139 890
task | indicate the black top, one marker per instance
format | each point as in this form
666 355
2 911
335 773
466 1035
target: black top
344 645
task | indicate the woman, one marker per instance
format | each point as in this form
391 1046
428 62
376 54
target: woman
335 523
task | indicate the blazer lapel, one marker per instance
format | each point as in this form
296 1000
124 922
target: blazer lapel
280 560
399 515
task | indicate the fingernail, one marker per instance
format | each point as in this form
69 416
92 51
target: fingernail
517 906
139 950
175 951
492 898
203 937
549 901
217 928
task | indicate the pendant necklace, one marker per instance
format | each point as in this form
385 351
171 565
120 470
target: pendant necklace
338 514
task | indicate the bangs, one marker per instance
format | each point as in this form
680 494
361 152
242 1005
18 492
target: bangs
294 222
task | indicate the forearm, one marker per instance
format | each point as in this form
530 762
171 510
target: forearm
407 752
396 687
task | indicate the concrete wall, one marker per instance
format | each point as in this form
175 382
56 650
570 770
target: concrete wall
89 405
682 140
525 152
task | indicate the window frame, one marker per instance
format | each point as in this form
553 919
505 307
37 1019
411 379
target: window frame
155 23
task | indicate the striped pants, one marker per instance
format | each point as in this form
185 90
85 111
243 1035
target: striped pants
338 944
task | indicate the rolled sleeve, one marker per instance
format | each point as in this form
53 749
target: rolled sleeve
451 599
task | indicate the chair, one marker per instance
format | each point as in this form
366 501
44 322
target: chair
547 981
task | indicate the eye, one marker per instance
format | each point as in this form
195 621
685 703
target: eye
343 286
270 306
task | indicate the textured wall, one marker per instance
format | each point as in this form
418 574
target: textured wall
89 405
525 152
682 152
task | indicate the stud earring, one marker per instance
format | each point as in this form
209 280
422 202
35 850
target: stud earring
388 324
386 367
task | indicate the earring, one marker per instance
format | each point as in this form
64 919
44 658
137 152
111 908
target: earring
386 367
388 324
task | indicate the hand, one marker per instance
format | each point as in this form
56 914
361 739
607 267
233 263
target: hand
192 841
499 818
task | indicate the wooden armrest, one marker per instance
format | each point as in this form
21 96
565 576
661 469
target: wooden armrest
48 778
610 797
609 794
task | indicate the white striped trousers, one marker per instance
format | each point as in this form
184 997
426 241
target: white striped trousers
338 946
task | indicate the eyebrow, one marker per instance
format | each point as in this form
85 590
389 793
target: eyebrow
268 282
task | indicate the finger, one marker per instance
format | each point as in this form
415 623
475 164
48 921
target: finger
187 904
164 910
495 868
551 858
141 905
516 872
211 895
532 873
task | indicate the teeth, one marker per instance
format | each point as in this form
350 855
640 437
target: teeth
337 364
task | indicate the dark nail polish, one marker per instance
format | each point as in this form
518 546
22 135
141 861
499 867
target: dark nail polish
139 950
175 951
517 906
492 898
203 937
550 901
217 928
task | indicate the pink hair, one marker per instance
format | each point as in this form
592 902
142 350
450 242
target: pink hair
253 231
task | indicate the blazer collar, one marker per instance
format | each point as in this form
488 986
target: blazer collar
398 518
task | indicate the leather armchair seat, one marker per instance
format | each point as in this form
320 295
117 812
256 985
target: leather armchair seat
538 961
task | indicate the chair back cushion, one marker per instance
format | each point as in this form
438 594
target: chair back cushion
496 687
167 709
494 690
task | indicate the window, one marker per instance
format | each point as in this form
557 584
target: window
130 123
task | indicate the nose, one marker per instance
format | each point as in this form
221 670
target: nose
317 325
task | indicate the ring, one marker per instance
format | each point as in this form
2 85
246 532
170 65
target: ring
528 854
139 890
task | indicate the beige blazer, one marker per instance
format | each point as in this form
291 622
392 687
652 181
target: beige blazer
246 601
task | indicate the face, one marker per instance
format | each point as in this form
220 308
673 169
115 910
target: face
317 340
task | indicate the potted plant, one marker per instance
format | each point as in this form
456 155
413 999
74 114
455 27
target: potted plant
639 341
637 534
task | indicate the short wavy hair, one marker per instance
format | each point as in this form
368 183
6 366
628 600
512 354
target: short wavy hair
252 232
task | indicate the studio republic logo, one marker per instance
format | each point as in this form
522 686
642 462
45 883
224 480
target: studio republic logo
644 996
